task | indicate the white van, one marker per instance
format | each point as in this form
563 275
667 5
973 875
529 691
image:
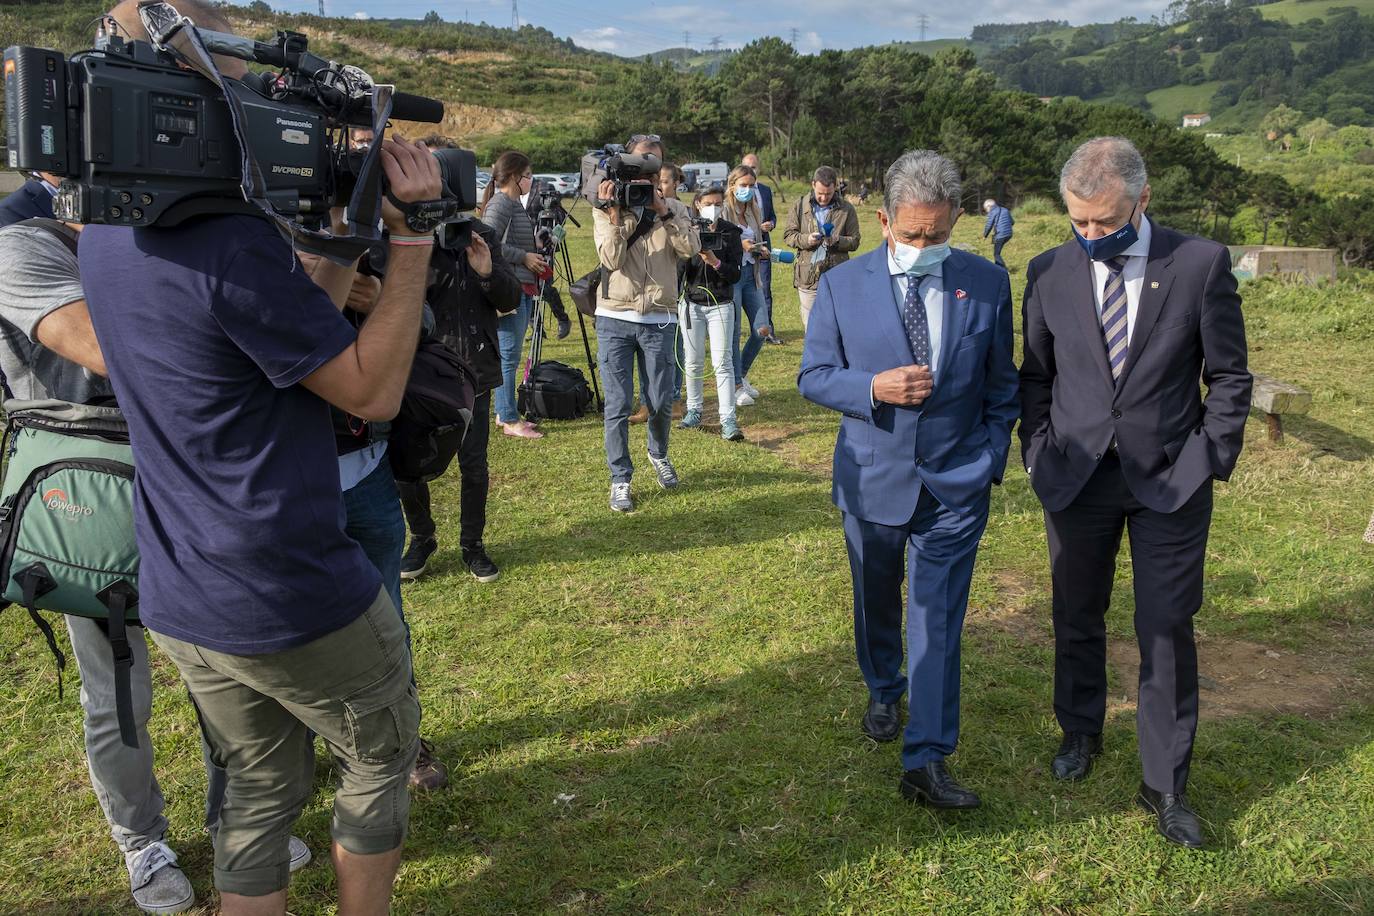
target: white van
705 174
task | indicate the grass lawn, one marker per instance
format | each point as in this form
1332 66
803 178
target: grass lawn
1171 104
660 712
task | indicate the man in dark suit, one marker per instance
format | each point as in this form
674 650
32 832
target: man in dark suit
31 200
912 343
1120 323
770 222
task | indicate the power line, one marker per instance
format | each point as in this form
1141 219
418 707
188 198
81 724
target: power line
687 40
515 15
321 9
923 20
715 44
794 36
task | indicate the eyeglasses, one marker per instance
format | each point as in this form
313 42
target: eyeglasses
644 138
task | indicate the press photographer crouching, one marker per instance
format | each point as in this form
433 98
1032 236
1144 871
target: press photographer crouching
708 286
640 237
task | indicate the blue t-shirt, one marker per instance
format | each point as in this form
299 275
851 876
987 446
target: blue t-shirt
207 329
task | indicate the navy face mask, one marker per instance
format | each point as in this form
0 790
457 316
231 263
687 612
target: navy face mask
1109 246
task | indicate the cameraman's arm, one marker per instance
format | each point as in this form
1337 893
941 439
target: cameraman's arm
682 235
499 286
610 238
41 296
369 377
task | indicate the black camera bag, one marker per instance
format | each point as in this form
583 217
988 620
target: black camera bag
555 391
435 412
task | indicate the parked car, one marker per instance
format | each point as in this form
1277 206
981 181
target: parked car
483 179
559 182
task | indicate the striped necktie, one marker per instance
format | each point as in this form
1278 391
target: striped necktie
1114 315
914 318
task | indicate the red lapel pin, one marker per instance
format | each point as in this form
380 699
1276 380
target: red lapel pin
960 294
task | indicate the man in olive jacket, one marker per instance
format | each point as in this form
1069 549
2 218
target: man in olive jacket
824 229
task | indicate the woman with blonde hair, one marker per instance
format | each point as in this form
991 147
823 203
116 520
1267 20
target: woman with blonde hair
742 208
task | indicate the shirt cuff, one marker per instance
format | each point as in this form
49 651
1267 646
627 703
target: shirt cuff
872 397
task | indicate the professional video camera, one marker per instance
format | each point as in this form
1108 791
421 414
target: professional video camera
633 176
711 239
140 140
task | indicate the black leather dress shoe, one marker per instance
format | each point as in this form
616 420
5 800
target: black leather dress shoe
1174 820
933 785
1075 758
882 722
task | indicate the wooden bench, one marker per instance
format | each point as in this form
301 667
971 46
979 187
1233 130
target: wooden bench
1274 398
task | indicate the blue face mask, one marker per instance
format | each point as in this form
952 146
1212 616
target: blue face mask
1112 244
744 195
917 262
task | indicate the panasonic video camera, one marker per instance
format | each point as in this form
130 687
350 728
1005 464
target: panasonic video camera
142 141
632 174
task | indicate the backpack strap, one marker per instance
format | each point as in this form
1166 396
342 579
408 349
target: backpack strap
65 234
36 581
118 597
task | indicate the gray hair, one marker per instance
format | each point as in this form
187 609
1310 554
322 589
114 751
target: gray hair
826 176
1099 164
921 176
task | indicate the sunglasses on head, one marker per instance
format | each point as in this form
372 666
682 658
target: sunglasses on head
645 138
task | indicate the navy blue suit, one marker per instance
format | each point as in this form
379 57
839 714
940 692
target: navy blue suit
765 268
913 482
30 201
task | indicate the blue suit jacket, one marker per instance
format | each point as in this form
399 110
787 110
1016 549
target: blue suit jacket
955 444
29 201
766 206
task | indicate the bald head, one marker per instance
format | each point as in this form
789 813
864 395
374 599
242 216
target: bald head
125 14
751 160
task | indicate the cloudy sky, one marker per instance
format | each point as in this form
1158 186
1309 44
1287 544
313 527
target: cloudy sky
631 28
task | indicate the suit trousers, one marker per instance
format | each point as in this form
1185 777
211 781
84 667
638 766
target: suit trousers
1167 554
939 548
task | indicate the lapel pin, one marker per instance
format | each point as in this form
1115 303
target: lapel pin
960 294
1154 284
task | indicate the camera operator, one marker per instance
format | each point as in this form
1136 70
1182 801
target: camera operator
501 210
468 293
224 354
708 287
637 313
541 192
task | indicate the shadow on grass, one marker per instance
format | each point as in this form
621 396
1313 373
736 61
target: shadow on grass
1331 439
1333 895
739 793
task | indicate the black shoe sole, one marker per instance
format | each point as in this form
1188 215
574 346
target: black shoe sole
412 574
490 577
912 793
1150 809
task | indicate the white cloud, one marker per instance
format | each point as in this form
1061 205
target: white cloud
361 15
608 38
812 42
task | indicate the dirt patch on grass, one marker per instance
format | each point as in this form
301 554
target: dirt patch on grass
1238 677
780 438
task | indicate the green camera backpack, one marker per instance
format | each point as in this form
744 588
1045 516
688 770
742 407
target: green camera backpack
67 527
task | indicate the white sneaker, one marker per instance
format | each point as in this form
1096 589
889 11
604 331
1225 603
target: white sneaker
743 398
753 392
158 885
300 854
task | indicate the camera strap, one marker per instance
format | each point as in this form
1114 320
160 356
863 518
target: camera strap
176 34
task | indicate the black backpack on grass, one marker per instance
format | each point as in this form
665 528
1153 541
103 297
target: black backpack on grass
554 391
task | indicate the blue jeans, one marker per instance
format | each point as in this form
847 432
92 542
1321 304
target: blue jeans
617 343
375 521
750 298
510 339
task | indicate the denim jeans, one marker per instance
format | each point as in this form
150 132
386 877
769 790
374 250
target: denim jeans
617 343
510 340
121 776
750 298
374 520
716 321
476 481
997 251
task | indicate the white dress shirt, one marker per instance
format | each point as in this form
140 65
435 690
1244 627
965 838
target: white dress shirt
1137 256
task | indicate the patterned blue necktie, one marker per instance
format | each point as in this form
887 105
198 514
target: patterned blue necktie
1114 321
914 317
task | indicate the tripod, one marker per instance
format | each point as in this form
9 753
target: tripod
561 263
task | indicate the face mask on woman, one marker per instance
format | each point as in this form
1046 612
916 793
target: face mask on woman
744 194
710 212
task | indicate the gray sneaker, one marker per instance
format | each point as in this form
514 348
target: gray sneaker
300 854
159 886
621 500
667 477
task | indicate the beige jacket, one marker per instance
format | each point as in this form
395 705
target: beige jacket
643 277
844 238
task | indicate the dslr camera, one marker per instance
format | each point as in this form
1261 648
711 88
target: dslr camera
632 174
140 140
711 239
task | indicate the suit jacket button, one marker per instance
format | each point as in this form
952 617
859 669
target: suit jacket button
1097 457
1116 415
920 461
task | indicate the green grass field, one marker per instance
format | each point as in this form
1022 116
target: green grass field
659 712
1171 104
1296 11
